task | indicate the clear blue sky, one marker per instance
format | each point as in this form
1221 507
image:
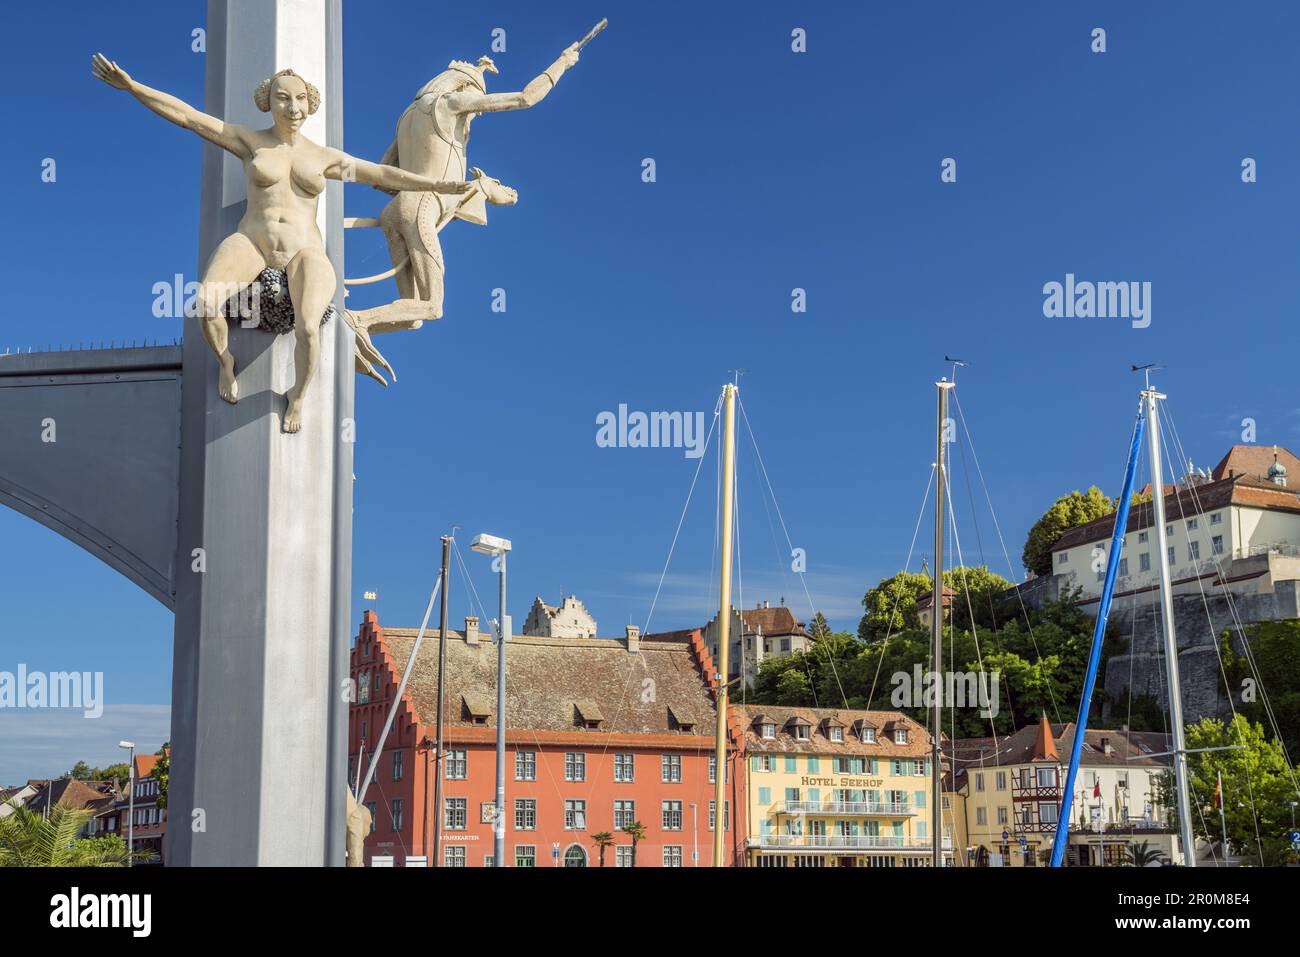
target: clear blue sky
775 170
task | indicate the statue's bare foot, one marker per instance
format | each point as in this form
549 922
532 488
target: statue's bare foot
292 417
227 387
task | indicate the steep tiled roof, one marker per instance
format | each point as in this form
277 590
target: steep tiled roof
918 739
1254 460
773 622
1198 500
550 681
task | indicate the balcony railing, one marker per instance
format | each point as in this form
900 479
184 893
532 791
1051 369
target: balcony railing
850 808
857 842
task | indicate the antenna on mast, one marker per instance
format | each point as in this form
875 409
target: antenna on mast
955 363
1146 370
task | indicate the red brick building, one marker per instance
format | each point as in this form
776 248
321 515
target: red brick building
599 732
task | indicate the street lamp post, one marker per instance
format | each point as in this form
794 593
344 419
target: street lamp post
130 800
498 547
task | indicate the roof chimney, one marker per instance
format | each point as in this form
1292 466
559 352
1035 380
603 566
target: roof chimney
471 630
633 639
1105 746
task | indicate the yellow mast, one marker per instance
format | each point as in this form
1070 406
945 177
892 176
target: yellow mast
724 620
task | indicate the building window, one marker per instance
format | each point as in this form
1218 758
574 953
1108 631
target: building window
979 781
373 808
801 732
1063 558
1171 555
672 855
575 766
1193 551
918 767
397 814
672 815
365 727
1001 783
1047 813
1142 537
623 855
1216 544
525 814
363 687
1123 568
1144 562
726 814
713 770
868 735
1169 530
456 765
525 765
762 762
575 815
624 814
398 765
453 856
785 644
1002 815
670 767
900 736
624 767
1047 777
1216 518
525 855
769 731
981 816
455 814
837 734
1193 524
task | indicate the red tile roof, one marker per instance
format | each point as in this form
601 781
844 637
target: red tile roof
1255 461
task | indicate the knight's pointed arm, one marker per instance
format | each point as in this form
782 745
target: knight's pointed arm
532 94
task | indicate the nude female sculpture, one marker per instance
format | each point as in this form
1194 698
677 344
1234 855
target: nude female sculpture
286 175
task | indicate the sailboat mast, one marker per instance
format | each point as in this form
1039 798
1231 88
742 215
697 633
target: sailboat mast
724 620
936 631
1167 618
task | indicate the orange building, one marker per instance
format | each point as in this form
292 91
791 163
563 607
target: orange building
599 733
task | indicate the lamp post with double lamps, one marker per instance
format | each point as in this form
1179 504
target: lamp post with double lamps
497 548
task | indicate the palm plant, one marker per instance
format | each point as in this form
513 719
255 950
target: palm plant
27 839
1142 855
602 840
636 831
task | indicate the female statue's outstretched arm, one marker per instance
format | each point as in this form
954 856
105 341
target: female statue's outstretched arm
345 167
229 136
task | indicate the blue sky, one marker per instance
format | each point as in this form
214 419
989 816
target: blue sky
775 170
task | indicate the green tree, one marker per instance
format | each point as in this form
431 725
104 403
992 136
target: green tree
29 839
602 840
820 627
1066 512
891 605
636 831
84 772
162 772
793 689
1142 855
1257 788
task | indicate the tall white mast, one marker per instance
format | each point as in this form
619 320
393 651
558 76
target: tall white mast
1152 397
936 633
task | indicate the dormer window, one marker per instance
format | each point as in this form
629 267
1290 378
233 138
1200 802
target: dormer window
587 714
837 733
900 736
680 720
768 731
801 732
476 709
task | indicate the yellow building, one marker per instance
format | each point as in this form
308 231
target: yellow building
837 788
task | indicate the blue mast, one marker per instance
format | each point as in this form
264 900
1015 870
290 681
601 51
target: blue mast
1094 659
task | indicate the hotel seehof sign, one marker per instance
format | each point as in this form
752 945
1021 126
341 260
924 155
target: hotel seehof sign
841 781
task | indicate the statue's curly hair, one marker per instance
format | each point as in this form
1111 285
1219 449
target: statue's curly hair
262 95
